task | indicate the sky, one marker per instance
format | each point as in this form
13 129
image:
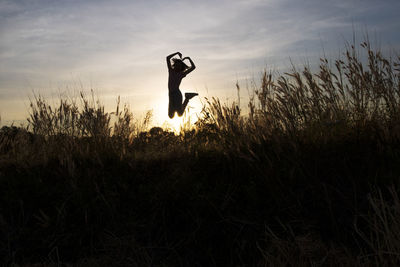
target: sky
118 48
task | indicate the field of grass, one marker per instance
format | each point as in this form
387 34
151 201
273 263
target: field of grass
309 177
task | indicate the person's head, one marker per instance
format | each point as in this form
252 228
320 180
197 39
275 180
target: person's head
178 65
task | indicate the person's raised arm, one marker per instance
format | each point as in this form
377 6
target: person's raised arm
169 59
192 66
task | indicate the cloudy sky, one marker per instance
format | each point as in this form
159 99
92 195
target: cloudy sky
118 48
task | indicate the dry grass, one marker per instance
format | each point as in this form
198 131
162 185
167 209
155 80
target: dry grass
309 176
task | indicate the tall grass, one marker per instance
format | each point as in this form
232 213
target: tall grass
309 176
84 119
349 94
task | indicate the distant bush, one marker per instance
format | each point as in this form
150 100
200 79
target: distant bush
308 176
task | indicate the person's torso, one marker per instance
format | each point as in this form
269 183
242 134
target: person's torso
174 80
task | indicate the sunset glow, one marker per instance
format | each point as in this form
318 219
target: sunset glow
118 48
160 115
199 133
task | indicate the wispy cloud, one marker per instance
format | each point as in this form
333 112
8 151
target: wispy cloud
121 45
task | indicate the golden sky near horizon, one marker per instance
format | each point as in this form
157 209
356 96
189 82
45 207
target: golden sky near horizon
118 48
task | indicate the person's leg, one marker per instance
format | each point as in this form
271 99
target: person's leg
188 96
182 107
175 103
171 110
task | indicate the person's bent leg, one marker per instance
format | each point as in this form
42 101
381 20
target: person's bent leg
188 96
183 107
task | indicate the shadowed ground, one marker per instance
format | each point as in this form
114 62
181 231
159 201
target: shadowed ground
309 176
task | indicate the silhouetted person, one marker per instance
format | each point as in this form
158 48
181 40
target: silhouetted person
177 71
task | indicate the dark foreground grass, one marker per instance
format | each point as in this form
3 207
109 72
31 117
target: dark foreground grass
309 177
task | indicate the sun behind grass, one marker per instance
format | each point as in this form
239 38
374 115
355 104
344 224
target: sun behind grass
181 124
176 124
308 177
